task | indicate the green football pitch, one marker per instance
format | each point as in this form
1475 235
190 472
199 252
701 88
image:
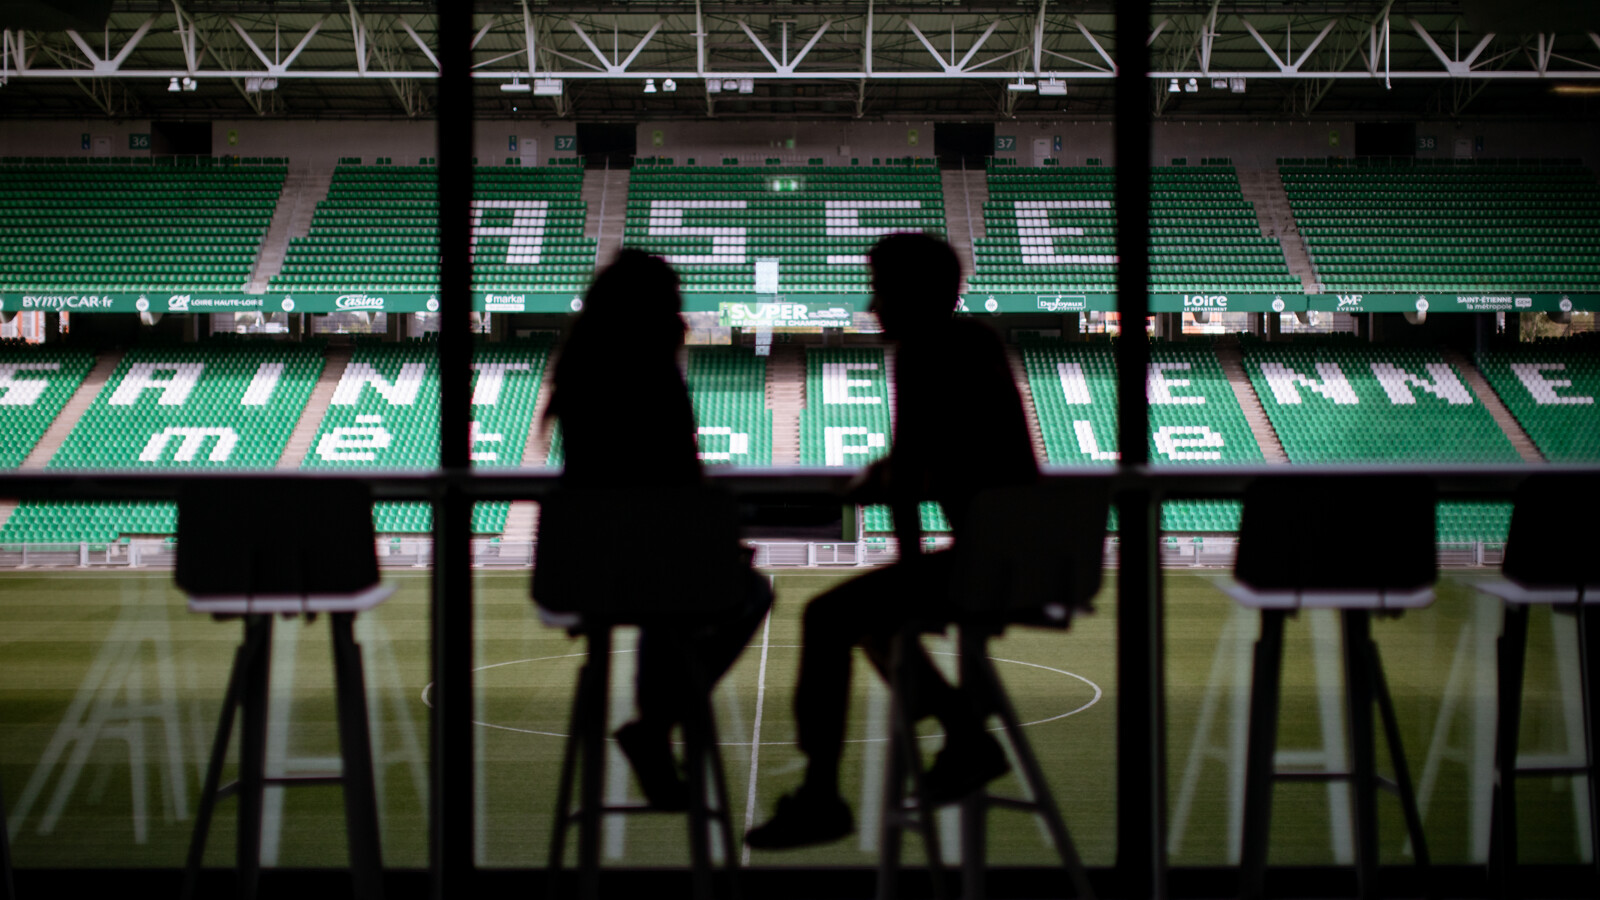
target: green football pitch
109 693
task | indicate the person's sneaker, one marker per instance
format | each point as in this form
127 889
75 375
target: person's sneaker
964 766
803 818
650 754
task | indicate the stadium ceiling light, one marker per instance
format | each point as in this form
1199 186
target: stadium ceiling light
746 85
669 85
1192 85
1172 87
649 85
1052 88
714 85
1219 84
547 87
1020 86
173 85
516 87
190 84
1236 85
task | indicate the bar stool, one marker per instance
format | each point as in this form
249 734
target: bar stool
1283 566
251 552
1550 560
7 888
1032 556
579 586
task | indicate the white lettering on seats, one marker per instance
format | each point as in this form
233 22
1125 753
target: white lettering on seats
192 440
1038 239
1174 441
175 391
1445 385
842 218
738 442
262 384
1087 443
16 391
834 449
479 436
1544 389
1333 385
1158 387
1074 387
837 383
492 378
727 241
358 443
402 392
526 231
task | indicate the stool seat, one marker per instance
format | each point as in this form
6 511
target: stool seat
1253 598
290 604
1542 594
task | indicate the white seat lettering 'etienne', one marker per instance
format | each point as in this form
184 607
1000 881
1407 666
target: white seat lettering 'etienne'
141 377
834 448
1532 377
728 242
837 383
1038 238
358 443
1334 385
1158 387
528 218
192 439
1445 385
738 442
16 391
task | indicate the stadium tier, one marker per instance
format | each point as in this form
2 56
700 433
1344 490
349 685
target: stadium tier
224 405
1459 229
713 224
35 383
385 415
1053 229
378 229
1551 388
133 227
1336 401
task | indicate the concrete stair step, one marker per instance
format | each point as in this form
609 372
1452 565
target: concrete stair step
1019 374
1232 362
73 411
305 430
1480 387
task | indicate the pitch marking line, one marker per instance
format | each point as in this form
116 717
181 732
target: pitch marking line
755 735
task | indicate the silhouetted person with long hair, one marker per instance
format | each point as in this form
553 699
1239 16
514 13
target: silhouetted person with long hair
959 429
626 421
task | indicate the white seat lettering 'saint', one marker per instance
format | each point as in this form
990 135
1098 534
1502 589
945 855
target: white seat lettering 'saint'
728 243
357 443
1445 385
141 377
738 442
479 436
834 448
192 440
1083 429
401 392
1333 385
842 218
526 231
837 383
1038 238
1543 389
16 391
262 384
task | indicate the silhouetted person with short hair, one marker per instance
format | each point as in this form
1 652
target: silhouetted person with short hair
959 430
626 421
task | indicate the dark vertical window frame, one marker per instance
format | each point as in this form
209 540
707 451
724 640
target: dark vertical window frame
451 837
1141 790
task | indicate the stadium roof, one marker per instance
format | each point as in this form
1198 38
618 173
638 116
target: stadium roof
822 59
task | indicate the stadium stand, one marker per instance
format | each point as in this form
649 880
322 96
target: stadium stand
378 230
1551 388
218 405
35 384
818 222
385 413
1458 228
1053 228
133 227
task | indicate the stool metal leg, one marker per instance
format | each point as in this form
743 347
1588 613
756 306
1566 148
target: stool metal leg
1356 626
569 762
355 747
1260 749
592 740
7 888
903 758
1512 650
1402 772
1589 669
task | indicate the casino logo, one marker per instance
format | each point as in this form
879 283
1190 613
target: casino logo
357 301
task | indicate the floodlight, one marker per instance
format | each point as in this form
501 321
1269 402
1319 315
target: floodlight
252 85
1020 86
1192 85
1236 85
173 85
1052 88
649 85
189 84
746 85
669 85
1219 84
1172 86
713 85
547 87
269 84
731 85
516 87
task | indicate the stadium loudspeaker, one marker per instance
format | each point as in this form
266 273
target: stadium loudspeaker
1201 317
7 316
1304 316
1416 318
149 318
1558 317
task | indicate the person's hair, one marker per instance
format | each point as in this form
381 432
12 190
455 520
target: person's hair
632 309
918 274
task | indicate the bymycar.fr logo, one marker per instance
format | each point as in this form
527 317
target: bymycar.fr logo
65 301
357 301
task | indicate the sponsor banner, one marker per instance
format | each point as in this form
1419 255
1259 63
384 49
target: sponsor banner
719 301
1078 302
274 302
1509 301
785 314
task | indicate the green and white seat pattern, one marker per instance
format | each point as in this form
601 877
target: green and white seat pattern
229 406
133 228
35 384
714 223
1459 229
385 415
1552 391
378 230
1051 229
1336 402
1194 417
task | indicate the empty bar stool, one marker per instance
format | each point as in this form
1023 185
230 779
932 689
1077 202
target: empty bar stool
1290 559
253 551
1033 557
601 555
1550 561
7 889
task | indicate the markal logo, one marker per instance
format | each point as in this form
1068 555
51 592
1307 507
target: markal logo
503 302
175 303
357 301
1205 301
